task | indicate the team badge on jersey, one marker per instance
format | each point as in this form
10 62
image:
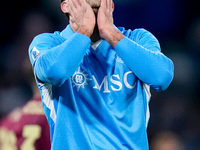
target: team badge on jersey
79 79
35 53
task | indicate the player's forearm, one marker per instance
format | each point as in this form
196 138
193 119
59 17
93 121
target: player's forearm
111 35
59 63
151 67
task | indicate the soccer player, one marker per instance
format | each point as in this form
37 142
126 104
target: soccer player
95 79
26 127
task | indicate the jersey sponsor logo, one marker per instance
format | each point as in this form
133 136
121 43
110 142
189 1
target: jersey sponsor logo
35 53
80 79
116 83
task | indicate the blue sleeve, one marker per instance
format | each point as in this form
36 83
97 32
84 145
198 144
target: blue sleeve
144 58
55 60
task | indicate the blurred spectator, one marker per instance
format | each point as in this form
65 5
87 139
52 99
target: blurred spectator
14 88
166 140
26 128
193 36
177 109
192 128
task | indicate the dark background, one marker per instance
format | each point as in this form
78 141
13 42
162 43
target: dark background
175 113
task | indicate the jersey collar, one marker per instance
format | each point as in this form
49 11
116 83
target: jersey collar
67 32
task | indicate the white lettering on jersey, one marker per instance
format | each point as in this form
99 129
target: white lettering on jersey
126 82
118 83
105 82
79 79
115 82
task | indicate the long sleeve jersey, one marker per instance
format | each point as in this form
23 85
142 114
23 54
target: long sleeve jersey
94 96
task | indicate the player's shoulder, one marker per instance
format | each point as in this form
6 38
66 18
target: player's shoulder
136 34
48 37
45 41
142 37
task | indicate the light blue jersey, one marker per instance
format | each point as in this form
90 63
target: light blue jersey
96 97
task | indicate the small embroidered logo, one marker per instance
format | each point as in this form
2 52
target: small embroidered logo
35 53
79 79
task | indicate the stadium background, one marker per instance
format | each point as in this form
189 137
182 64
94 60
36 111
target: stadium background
176 24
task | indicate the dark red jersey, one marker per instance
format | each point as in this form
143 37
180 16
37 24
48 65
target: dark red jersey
25 128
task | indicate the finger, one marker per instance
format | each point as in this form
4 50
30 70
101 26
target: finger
103 3
72 7
79 2
76 3
113 6
82 4
109 5
73 3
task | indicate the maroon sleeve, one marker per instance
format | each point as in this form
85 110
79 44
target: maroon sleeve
25 128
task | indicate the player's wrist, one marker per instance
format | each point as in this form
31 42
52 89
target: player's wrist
111 35
86 30
107 31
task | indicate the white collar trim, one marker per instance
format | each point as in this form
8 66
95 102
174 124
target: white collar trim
96 44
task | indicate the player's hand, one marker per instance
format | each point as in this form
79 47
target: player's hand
105 16
82 18
105 24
